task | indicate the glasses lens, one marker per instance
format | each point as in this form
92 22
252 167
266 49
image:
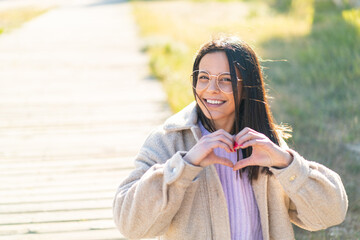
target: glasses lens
203 80
224 82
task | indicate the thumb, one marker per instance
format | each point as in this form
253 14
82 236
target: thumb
244 163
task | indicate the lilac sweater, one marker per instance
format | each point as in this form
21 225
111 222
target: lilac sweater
242 207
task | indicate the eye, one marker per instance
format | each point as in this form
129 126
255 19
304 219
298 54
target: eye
225 79
203 76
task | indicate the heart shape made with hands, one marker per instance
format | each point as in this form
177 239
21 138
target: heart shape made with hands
264 152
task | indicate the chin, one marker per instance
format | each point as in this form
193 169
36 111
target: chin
214 116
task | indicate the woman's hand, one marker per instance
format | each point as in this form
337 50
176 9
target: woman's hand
264 151
202 154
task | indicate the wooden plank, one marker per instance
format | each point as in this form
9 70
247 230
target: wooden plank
107 234
21 180
58 206
104 186
41 228
25 158
60 164
64 169
108 178
62 198
48 217
56 227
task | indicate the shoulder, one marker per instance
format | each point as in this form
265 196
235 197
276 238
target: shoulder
174 131
184 119
160 138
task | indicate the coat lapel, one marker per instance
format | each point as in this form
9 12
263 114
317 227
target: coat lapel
260 192
217 204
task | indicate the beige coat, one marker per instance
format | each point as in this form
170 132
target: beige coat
167 197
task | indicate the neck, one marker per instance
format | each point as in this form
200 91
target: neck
224 124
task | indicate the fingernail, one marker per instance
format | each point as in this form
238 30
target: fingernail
237 146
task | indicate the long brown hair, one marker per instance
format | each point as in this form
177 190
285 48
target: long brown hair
253 110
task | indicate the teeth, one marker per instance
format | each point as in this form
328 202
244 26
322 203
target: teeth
214 101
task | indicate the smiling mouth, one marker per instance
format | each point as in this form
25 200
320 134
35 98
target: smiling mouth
214 102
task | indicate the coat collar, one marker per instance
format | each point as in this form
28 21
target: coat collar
185 119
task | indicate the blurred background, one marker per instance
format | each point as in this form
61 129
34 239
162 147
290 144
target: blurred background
310 54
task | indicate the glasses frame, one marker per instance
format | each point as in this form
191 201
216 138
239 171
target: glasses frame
210 76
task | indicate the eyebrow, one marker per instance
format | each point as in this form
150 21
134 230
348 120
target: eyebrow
214 74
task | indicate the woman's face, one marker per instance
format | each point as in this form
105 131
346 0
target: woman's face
221 105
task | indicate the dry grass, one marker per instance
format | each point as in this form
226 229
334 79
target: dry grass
174 31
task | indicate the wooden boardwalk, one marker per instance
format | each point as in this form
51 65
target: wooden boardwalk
75 106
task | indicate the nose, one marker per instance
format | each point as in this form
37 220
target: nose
213 87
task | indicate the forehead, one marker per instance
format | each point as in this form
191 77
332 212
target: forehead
214 63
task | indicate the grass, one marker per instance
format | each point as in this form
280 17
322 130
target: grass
311 56
14 18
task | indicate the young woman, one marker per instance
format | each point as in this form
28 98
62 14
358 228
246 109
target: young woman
219 168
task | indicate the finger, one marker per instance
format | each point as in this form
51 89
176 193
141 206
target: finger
247 137
244 163
223 134
223 161
243 132
223 139
219 144
254 142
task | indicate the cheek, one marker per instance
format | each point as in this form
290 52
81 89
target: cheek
232 106
198 95
202 107
200 103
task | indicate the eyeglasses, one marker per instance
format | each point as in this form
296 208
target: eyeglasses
223 80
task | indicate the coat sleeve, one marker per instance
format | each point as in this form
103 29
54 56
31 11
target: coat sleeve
317 197
148 199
